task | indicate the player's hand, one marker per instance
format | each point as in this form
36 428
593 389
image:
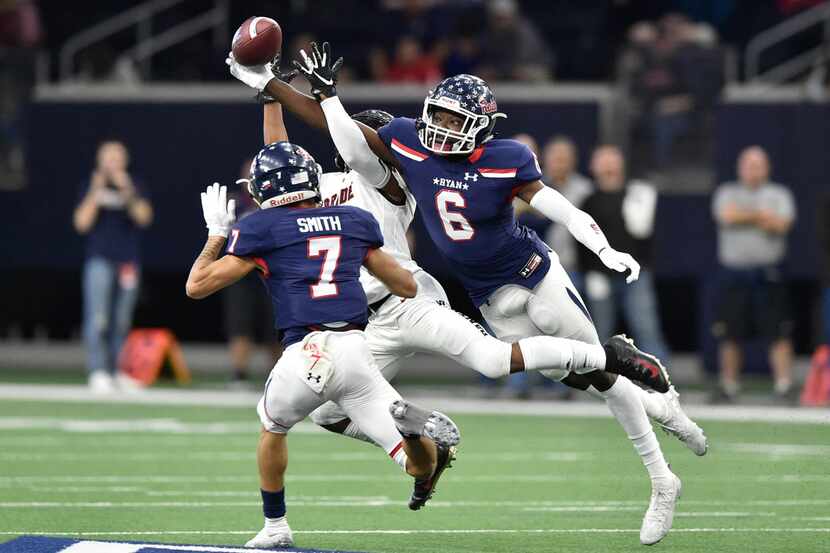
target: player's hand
263 97
255 76
620 262
321 70
219 213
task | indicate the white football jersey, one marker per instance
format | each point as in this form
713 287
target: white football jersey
394 220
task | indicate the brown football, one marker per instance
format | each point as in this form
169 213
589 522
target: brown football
256 41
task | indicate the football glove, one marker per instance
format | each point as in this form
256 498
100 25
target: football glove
255 76
219 213
620 262
320 70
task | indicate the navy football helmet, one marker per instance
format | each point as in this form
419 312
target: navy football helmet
468 97
372 118
283 173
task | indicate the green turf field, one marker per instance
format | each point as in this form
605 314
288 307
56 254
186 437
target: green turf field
520 484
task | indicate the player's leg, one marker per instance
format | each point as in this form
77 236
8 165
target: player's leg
98 280
555 307
383 339
286 401
371 403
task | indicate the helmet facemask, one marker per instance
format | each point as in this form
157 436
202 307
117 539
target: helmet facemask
441 140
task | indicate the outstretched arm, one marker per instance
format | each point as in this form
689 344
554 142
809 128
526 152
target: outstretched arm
209 274
399 281
356 153
303 106
273 125
582 226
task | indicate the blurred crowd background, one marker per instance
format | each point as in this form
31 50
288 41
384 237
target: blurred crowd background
702 157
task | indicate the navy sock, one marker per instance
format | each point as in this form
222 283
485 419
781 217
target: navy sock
273 503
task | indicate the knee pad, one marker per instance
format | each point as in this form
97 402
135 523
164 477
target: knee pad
488 356
544 316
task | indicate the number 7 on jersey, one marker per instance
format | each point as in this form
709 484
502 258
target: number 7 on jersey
329 247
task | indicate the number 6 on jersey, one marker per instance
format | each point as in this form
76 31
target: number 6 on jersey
330 245
456 226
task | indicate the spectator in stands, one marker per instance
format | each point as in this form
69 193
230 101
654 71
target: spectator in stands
754 217
411 64
249 318
20 33
113 209
512 47
559 161
625 209
674 74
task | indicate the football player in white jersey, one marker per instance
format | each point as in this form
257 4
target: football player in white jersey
445 331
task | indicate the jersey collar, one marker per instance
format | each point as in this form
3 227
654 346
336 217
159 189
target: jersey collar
476 155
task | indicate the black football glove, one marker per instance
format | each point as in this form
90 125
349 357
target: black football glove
320 70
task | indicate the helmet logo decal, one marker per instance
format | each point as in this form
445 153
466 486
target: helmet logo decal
488 107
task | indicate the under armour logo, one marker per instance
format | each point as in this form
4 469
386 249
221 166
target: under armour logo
313 377
471 176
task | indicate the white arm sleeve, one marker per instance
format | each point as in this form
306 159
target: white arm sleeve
352 145
558 209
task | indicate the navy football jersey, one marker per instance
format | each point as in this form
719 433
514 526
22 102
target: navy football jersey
311 261
466 207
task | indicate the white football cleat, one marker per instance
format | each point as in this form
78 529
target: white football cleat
101 383
665 491
679 425
276 534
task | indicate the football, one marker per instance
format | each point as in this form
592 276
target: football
256 41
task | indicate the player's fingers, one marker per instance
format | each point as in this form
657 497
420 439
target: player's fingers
232 209
337 65
327 50
204 201
318 56
223 195
299 67
309 64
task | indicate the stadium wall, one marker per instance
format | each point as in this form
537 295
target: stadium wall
183 138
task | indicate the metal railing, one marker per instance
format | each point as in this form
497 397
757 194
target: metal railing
781 73
147 45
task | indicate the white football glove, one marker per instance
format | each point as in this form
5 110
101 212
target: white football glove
219 213
620 262
255 76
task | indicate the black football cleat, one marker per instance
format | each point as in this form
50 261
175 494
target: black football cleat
413 421
425 487
623 358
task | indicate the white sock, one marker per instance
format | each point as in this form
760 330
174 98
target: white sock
399 456
274 523
624 402
354 431
550 352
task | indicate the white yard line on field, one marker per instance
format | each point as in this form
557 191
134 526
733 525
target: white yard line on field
737 413
422 531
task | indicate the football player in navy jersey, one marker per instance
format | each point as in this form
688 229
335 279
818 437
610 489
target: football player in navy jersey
310 257
464 181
